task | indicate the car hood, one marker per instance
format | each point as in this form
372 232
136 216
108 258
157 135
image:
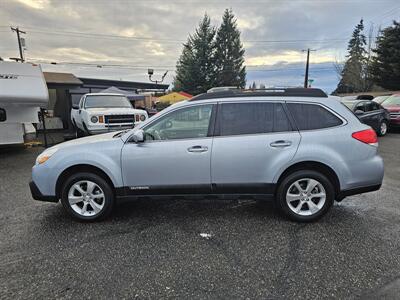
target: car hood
87 140
114 110
392 108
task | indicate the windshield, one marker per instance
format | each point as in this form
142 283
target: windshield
380 99
107 101
392 100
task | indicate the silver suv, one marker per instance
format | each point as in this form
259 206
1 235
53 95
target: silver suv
297 146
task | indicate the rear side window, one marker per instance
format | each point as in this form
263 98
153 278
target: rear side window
3 115
311 116
251 118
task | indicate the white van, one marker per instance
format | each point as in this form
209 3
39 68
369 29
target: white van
23 91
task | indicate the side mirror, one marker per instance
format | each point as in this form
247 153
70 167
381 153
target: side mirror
75 106
138 136
358 112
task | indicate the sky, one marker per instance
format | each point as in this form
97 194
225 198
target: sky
126 37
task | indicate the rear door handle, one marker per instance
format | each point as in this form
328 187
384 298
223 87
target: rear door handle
281 144
197 149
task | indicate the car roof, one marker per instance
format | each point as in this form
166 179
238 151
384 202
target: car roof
273 92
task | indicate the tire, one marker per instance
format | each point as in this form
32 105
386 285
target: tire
85 209
383 128
78 132
85 130
308 208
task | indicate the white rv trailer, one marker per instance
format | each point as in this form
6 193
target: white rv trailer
23 91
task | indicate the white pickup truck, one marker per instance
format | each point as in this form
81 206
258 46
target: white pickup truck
100 112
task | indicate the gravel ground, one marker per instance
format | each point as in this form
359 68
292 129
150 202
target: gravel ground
198 249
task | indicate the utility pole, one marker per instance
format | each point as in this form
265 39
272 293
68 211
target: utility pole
307 67
16 29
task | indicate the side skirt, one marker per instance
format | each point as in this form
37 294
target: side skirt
198 192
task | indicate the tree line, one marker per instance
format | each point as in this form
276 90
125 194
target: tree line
211 57
368 68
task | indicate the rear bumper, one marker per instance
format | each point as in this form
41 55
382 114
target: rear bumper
37 195
359 190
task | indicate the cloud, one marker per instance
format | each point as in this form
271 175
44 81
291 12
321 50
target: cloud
319 24
36 4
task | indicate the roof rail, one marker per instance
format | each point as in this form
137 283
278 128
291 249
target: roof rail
223 89
284 92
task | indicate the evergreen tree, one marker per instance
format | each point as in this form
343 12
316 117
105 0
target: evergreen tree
229 55
386 63
195 71
354 70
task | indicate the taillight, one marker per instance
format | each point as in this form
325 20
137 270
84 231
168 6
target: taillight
367 136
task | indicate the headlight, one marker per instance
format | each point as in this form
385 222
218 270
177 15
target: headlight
142 118
46 154
94 119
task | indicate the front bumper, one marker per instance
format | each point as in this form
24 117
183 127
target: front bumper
394 120
108 128
37 195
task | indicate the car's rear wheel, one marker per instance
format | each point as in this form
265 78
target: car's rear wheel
383 128
305 195
87 197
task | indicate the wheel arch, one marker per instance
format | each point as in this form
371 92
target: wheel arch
81 168
314 166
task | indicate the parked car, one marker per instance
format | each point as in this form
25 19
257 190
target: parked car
370 113
380 99
297 146
357 97
100 113
392 104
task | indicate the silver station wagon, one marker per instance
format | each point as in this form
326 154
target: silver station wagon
296 146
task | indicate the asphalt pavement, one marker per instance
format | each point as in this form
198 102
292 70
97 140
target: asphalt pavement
199 249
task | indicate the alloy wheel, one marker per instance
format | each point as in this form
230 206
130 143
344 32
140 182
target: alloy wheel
384 128
86 198
306 196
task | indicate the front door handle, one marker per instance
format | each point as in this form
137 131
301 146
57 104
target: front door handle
197 149
281 144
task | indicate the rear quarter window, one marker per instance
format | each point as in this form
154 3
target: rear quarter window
312 116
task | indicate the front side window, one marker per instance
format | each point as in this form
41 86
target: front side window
312 116
360 106
107 101
251 118
3 115
186 123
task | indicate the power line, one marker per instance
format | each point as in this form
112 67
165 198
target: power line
146 38
141 67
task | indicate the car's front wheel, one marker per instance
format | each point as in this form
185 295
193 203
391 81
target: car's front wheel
87 197
305 195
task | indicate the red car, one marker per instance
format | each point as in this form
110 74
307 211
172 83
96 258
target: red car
392 104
